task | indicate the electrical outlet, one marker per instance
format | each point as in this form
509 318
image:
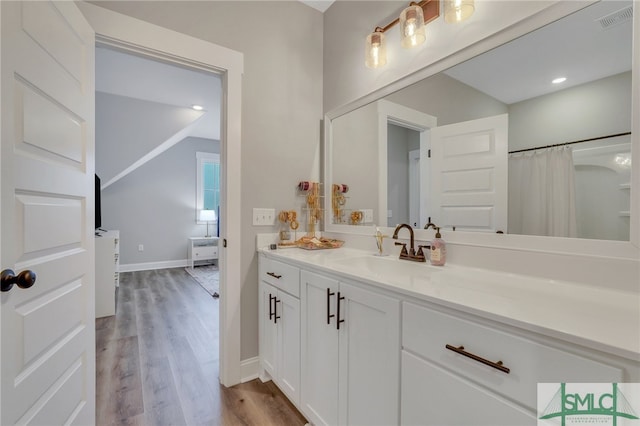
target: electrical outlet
264 217
140 247
368 215
389 213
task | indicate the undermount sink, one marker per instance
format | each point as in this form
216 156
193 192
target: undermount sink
384 266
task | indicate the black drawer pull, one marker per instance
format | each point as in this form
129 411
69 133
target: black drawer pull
271 313
497 365
329 315
276 317
274 275
338 320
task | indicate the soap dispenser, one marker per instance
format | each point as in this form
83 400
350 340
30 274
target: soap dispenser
438 254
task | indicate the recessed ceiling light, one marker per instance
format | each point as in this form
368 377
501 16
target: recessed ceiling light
558 80
197 107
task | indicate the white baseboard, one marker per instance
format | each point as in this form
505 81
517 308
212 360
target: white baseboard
131 267
249 369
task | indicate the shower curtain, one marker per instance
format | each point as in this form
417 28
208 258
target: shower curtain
542 193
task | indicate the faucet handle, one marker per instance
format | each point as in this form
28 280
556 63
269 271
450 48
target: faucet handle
420 252
404 248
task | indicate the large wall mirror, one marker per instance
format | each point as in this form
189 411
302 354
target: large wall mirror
496 144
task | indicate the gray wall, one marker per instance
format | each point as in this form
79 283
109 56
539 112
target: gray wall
282 43
599 108
127 129
447 99
155 205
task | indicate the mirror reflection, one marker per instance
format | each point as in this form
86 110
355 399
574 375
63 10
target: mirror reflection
500 143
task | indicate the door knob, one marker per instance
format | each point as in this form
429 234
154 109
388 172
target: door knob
24 279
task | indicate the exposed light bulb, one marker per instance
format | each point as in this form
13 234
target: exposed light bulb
559 80
458 10
197 107
412 26
375 50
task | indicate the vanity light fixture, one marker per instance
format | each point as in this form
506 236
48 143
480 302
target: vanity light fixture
411 31
458 10
559 80
197 107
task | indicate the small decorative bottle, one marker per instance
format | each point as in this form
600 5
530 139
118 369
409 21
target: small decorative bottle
438 255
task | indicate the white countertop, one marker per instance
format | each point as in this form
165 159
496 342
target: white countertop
599 318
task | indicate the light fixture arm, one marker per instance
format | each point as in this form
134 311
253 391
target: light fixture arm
431 9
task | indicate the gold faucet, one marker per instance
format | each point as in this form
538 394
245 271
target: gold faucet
411 254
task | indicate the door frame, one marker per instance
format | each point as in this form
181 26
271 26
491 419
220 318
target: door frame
400 115
133 35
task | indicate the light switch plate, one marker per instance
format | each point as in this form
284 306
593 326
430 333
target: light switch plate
264 217
368 215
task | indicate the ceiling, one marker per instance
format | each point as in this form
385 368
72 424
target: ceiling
575 47
125 74
321 5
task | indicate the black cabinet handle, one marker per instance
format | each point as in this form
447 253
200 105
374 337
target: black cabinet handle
274 275
276 317
271 313
497 365
329 315
338 311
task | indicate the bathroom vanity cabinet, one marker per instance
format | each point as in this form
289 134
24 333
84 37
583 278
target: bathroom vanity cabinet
375 353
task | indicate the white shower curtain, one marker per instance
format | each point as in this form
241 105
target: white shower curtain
542 193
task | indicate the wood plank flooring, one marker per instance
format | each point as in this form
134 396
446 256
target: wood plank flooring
157 361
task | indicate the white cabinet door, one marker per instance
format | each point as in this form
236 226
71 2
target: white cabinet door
369 357
350 354
433 396
279 324
319 349
268 331
287 309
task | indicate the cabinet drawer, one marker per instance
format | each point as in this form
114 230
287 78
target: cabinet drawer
205 252
426 332
434 396
280 275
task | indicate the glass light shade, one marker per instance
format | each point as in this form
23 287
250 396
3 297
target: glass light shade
458 10
207 215
376 50
412 27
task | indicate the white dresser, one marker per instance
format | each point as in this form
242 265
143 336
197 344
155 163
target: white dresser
107 275
202 249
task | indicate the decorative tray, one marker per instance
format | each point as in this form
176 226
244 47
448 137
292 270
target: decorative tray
319 243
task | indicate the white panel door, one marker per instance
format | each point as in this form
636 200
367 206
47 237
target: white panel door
469 174
47 349
369 357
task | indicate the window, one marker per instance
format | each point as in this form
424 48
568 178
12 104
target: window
207 182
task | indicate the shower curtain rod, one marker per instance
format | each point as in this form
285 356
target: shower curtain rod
570 143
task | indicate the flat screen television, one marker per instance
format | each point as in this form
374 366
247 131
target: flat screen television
98 211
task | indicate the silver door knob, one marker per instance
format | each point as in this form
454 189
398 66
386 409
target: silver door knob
24 279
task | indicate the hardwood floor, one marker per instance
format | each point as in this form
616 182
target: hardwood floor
157 361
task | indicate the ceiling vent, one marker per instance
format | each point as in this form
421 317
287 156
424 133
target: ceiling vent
616 18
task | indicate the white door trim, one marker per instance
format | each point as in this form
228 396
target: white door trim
400 115
135 35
